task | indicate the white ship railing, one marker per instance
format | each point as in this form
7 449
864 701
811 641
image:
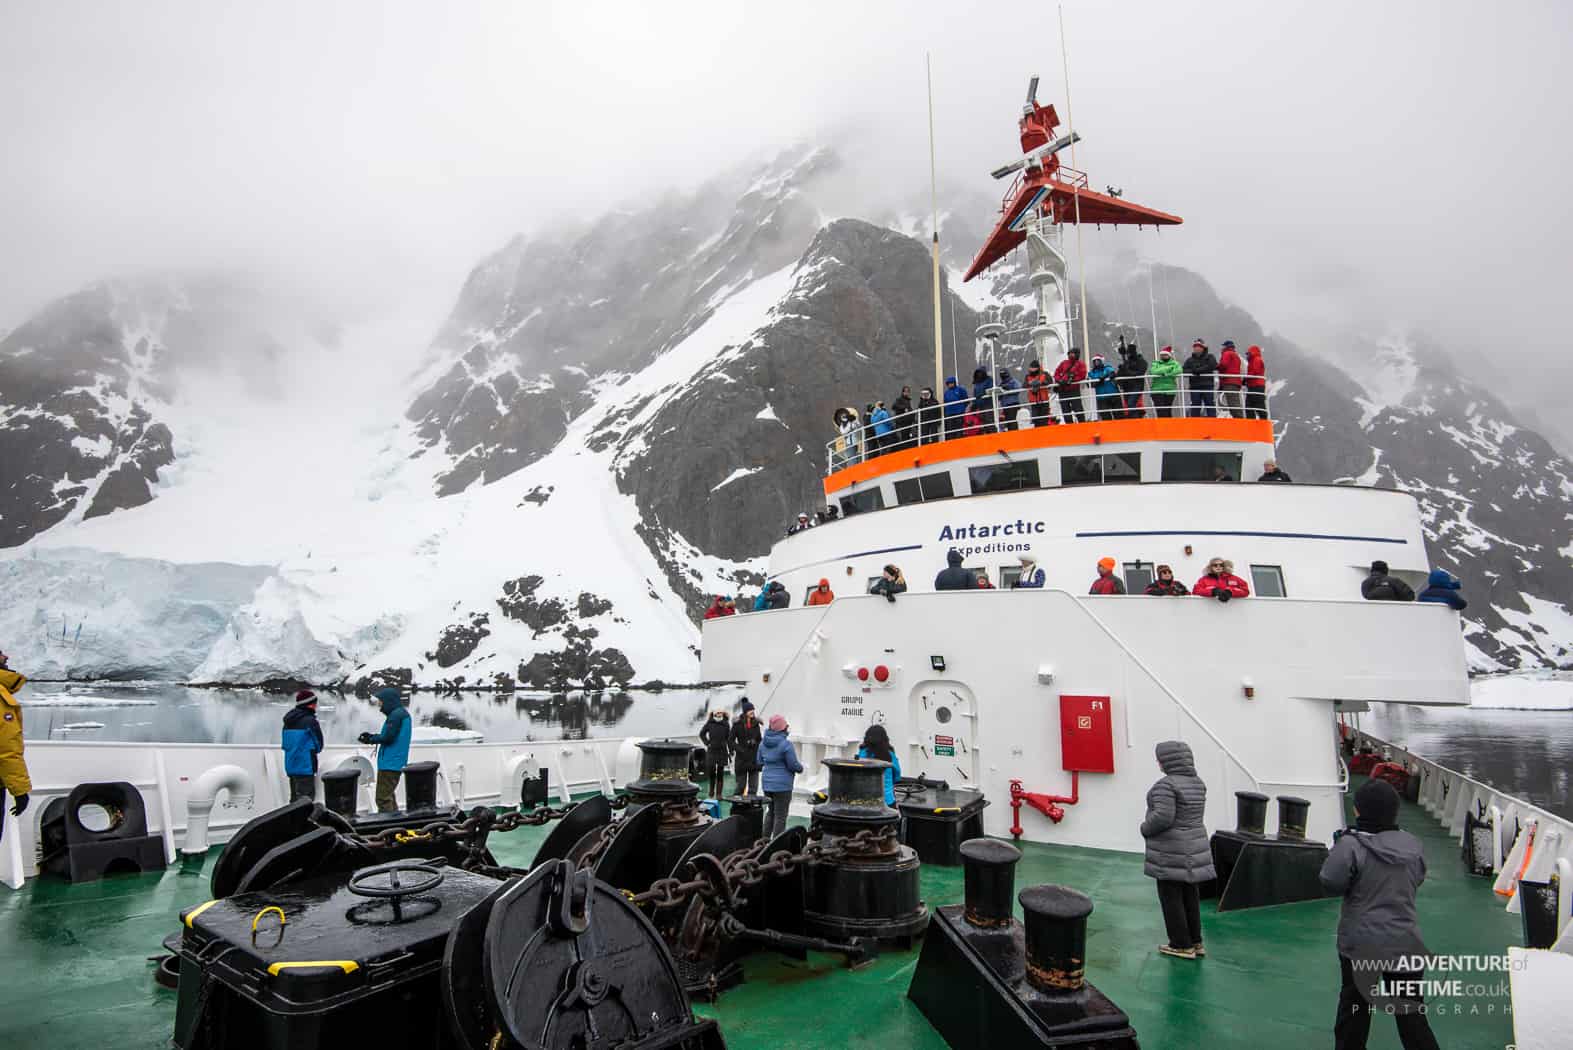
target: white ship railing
1194 397
1450 796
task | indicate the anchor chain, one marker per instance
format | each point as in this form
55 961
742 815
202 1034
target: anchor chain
481 821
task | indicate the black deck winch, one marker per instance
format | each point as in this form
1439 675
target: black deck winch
871 889
985 980
664 781
1256 869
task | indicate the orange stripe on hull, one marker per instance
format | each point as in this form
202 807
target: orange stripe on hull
1060 435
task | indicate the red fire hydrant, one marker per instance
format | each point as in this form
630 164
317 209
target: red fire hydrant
1048 805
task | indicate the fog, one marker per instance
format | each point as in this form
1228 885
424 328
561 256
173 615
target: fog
1343 163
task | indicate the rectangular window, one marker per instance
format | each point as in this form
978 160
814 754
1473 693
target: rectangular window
1201 466
922 489
1081 470
1138 574
1009 574
1004 477
1267 581
1122 467
859 502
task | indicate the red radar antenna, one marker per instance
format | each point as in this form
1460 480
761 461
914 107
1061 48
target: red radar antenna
1050 191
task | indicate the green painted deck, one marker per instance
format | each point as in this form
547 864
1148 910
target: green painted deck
74 973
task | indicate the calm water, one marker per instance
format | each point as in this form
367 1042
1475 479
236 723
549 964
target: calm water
1525 753
175 714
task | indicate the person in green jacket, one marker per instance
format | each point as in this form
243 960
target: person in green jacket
1163 381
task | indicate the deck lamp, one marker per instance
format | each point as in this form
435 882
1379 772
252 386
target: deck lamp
937 663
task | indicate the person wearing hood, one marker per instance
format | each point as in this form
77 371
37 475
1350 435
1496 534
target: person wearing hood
1132 374
876 745
1010 400
1069 375
762 599
1219 581
1107 582
1380 587
745 741
1178 854
1039 390
884 430
1377 868
1164 585
1255 384
982 400
1200 372
929 413
718 608
777 596
302 741
890 583
903 420
1163 379
393 746
1105 392
14 780
1443 588
954 577
780 766
717 738
821 594
1231 377
984 583
955 407
1031 576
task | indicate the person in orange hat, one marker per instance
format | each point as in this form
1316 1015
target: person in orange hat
821 595
1107 582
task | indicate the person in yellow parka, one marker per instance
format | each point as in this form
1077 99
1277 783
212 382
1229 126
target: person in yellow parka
13 770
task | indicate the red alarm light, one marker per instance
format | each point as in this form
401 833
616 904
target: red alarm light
881 673
862 674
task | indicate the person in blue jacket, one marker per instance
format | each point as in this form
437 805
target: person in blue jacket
880 418
955 407
1442 588
302 739
1105 391
1031 575
393 746
779 767
876 744
1010 400
982 403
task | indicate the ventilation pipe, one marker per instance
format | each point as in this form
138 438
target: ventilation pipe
199 806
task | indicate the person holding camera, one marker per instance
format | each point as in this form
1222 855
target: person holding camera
393 746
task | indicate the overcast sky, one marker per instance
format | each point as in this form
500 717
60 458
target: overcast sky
1398 162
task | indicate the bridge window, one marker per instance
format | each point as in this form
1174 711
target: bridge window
859 502
922 489
1268 581
1138 574
1004 477
1201 466
1009 574
1110 469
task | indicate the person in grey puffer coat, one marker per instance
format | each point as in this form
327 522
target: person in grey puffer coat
1377 868
1178 854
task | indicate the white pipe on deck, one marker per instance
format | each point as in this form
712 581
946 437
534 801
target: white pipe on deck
204 794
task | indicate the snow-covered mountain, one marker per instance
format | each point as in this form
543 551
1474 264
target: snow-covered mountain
612 423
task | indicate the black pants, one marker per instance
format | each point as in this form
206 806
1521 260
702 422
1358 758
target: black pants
1042 415
747 780
1163 405
1203 403
716 767
303 787
1354 1012
1133 405
1070 407
953 426
780 803
1256 404
1182 912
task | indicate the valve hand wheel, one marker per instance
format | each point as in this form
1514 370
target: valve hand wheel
386 880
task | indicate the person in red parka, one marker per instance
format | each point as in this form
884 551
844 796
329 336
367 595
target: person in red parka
1107 582
1255 384
821 595
722 606
1220 582
1231 372
1069 375
1037 383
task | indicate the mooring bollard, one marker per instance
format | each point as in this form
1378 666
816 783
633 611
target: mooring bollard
341 790
1056 921
663 781
1292 815
1250 813
989 873
420 786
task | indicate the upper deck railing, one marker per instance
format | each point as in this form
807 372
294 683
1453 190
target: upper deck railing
1193 397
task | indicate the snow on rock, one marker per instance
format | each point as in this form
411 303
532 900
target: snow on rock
1523 692
740 472
445 735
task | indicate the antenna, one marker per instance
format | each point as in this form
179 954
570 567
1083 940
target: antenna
939 344
1032 92
1070 126
1152 305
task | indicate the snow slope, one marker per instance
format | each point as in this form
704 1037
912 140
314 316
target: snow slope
1544 692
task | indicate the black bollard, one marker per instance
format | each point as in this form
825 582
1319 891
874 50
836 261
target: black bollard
663 781
870 890
1292 815
420 786
1056 921
1250 813
751 810
989 871
341 791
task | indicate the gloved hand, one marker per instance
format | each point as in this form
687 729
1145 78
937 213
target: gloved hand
21 804
1222 595
366 738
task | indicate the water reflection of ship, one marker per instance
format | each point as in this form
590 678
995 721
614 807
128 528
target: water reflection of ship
575 713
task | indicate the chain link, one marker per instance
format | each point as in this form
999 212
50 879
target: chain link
480 822
743 867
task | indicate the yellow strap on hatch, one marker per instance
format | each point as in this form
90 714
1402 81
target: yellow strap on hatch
198 910
347 965
283 920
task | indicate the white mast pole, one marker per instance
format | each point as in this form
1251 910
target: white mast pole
939 344
1152 305
1070 127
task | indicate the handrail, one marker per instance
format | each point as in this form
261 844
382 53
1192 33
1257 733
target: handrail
1193 397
